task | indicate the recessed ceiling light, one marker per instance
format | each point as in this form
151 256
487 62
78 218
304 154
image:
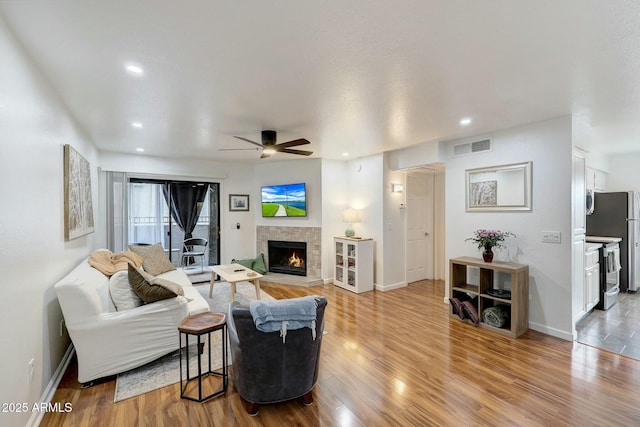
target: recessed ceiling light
345 154
136 125
135 69
465 122
140 150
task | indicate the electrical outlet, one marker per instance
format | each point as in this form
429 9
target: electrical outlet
31 368
551 237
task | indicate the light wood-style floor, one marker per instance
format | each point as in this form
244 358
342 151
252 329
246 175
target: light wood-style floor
397 358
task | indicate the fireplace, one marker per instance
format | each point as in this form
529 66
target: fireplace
287 257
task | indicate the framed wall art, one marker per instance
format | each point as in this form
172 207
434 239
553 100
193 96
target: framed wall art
78 206
238 202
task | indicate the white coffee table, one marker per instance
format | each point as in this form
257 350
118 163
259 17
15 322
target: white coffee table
234 273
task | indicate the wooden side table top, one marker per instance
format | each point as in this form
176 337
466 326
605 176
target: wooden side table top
202 323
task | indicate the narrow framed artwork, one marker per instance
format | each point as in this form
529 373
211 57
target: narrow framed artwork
238 202
78 206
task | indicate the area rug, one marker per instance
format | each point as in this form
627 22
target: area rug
165 371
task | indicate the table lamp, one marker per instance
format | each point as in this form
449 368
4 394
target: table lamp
350 216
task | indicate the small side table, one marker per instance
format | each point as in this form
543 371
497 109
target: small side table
234 273
199 325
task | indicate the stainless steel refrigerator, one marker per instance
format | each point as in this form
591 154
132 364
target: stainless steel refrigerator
618 215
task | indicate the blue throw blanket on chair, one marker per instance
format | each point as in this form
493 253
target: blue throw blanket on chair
283 315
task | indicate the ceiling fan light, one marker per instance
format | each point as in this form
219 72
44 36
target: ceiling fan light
269 151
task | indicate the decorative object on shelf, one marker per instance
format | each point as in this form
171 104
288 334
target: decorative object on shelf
488 239
351 216
487 254
499 293
496 316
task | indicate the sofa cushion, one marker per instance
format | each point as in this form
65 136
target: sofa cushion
197 303
122 294
151 289
154 259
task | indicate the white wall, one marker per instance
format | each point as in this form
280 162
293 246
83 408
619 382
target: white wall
366 180
415 156
335 198
394 229
549 146
34 127
234 178
624 172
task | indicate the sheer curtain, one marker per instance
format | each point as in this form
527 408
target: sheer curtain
117 197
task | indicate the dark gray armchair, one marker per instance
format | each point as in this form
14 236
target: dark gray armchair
266 370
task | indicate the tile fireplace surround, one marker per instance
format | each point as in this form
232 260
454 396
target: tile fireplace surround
311 235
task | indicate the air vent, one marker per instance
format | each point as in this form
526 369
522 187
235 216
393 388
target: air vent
472 147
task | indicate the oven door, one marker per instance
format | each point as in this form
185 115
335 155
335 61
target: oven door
612 277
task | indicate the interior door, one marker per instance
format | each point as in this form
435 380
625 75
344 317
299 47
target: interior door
419 250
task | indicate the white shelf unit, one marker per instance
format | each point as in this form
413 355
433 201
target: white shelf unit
353 268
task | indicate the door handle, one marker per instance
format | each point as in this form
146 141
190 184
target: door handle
426 234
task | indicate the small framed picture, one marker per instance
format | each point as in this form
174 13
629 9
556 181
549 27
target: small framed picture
238 202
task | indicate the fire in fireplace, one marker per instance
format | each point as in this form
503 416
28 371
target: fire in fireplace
287 257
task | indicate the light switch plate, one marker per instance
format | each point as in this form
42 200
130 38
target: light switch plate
551 237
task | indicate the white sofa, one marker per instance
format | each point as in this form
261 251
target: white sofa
108 342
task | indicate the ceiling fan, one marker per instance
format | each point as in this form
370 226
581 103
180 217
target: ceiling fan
270 147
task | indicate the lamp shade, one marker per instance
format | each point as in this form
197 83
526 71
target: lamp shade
351 215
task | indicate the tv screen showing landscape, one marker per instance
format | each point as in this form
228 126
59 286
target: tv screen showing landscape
284 200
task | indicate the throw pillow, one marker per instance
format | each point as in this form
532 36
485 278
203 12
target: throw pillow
121 292
154 259
248 263
259 266
256 264
151 289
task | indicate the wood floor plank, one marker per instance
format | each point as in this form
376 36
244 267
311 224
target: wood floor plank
399 358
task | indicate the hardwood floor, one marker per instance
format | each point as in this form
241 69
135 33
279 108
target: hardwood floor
397 358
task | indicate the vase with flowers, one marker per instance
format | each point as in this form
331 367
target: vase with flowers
489 239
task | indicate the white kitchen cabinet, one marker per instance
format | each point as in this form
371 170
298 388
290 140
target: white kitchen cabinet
353 264
596 179
592 277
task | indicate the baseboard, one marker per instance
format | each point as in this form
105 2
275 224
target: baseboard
327 281
384 288
47 395
567 336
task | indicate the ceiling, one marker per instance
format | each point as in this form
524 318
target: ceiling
357 77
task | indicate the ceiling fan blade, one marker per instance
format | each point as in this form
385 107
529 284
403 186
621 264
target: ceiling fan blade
300 152
265 156
249 141
294 143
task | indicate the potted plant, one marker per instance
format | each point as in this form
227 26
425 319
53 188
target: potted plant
489 239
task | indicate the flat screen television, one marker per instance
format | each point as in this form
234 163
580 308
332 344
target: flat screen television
284 200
